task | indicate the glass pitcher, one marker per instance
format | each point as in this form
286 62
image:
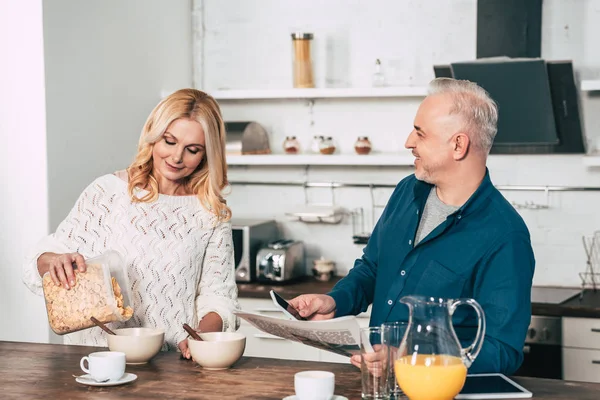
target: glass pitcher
430 364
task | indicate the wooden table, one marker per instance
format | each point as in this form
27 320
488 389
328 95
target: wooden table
30 370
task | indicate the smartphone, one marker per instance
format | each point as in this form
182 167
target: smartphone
286 307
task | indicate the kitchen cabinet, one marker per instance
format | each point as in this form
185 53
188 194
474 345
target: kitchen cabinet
581 349
260 344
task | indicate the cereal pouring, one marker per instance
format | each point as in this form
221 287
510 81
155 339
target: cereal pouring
95 294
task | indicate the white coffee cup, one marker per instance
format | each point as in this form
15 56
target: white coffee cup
314 385
104 365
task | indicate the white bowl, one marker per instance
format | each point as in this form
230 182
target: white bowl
217 350
138 344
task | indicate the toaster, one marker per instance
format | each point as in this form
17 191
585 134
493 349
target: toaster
280 261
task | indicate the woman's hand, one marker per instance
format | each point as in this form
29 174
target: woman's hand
60 267
185 350
211 322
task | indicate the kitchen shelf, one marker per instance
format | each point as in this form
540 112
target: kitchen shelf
317 93
590 85
592 160
381 159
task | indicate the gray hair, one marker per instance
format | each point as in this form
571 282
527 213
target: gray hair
474 105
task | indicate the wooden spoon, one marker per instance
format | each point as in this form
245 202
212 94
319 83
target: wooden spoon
102 326
192 332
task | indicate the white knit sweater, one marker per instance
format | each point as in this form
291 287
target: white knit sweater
179 264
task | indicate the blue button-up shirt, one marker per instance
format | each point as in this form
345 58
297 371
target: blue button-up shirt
482 251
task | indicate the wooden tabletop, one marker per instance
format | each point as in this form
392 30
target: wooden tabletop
45 371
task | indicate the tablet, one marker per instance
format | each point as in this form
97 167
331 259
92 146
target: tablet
492 386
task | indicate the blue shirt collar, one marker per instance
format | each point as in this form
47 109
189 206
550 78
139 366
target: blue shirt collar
421 192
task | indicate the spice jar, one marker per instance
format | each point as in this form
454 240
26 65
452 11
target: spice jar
315 146
327 146
291 145
303 74
362 145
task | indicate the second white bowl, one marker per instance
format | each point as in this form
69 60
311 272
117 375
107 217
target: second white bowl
217 350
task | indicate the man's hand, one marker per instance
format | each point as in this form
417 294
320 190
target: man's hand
314 307
375 362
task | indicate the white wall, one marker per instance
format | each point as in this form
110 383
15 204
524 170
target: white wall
243 46
23 198
107 63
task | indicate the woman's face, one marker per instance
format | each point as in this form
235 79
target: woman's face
179 152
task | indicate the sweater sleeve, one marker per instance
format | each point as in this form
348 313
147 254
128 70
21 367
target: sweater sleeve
72 235
217 291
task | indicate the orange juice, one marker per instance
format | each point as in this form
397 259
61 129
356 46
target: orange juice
430 377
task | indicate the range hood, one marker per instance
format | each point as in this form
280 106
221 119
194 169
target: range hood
538 102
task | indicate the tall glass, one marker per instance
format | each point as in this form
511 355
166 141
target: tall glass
392 338
374 363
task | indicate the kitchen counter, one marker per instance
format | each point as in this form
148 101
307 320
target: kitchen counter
29 370
286 290
586 307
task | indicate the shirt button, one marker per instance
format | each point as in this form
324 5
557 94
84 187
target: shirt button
402 272
459 216
410 242
390 302
417 212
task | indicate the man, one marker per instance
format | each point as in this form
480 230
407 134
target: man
446 232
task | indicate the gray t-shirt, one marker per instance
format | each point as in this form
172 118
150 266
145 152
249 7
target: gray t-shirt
434 213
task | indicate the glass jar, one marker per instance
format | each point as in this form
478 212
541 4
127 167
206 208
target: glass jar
378 79
362 145
291 145
327 146
315 146
303 74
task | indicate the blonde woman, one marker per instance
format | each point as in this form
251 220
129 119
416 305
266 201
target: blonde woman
166 215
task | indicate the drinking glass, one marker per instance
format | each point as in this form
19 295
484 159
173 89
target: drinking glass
374 363
392 338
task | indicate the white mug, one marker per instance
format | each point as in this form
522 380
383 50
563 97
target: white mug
104 365
314 385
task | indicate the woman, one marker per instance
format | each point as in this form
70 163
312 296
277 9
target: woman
166 215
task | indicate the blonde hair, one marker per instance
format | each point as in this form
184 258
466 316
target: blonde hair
474 104
209 180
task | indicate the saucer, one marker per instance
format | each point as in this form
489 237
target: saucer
87 380
335 397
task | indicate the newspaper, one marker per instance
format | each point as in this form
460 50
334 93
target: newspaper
337 335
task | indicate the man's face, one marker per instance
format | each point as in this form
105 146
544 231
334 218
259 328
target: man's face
430 140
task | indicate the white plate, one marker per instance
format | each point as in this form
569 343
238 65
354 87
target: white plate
87 380
335 397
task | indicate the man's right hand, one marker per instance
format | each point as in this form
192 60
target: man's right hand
314 307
